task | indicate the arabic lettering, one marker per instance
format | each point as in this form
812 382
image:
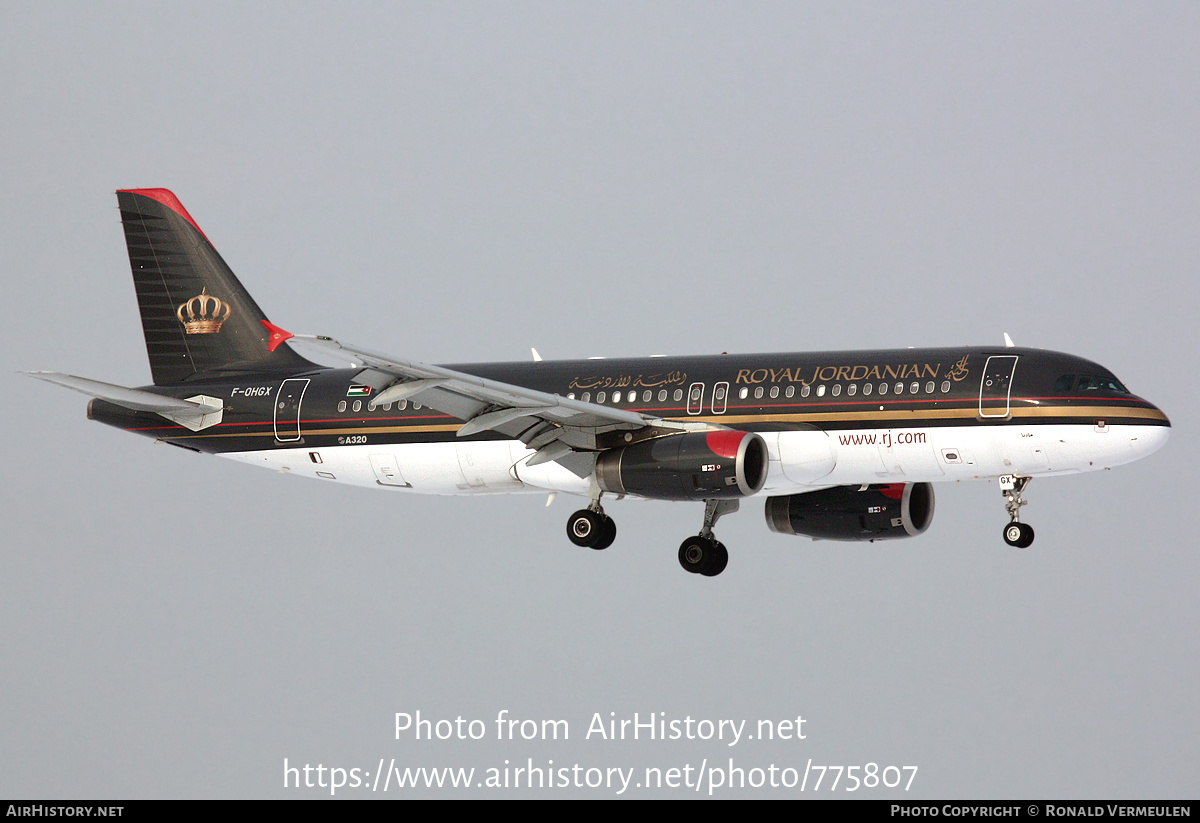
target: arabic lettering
646 381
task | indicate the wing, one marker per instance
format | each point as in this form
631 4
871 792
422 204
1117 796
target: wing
560 429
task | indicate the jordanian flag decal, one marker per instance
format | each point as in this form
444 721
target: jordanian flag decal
358 391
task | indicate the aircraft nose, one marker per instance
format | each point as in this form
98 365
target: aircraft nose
1150 439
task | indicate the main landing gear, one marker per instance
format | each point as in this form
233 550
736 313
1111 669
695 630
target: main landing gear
704 554
1016 533
592 528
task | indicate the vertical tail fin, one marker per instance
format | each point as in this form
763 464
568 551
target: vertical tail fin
196 316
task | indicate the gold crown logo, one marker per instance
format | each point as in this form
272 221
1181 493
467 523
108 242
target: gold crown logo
203 314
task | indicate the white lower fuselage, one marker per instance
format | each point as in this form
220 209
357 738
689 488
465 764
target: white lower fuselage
799 461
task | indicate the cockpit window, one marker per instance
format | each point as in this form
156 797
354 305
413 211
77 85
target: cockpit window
1088 383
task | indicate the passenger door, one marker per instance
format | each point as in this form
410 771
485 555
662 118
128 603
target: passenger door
995 387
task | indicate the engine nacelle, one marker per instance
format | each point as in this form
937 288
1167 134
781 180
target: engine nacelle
692 466
879 512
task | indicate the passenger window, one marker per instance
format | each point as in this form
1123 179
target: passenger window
899 388
357 405
945 386
587 397
402 405
929 387
743 393
758 392
790 391
837 389
646 395
867 387
570 395
616 397
852 389
678 395
804 390
600 397
821 391
342 406
883 387
774 392
662 396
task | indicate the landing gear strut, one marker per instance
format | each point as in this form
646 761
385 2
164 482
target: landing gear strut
1016 533
591 527
704 554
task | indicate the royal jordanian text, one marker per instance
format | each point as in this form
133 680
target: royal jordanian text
850 374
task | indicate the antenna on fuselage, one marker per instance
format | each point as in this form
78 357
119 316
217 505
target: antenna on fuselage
1008 343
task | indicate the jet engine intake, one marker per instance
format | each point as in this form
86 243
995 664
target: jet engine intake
878 512
711 465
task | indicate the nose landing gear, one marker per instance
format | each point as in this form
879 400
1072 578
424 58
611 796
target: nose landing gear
1019 535
1016 533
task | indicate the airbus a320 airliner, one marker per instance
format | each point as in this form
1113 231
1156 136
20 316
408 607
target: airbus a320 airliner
841 445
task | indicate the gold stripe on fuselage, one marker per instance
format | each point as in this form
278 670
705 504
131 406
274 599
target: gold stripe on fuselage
918 415
915 416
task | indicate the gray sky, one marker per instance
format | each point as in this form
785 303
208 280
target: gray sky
459 182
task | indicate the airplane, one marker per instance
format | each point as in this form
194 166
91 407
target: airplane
841 445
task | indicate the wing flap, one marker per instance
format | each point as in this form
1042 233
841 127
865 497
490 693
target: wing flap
490 420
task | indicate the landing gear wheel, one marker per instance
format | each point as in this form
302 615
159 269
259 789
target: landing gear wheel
722 560
695 554
586 528
608 533
1019 535
1016 533
702 555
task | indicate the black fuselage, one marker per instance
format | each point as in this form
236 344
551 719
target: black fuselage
765 392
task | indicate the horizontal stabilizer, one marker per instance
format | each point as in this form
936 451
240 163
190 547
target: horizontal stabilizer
194 413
